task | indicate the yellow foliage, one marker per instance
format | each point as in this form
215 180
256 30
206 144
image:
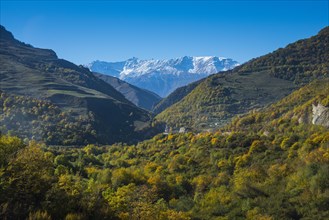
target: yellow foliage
71 184
293 150
39 215
179 179
160 141
256 146
154 180
214 141
201 182
321 138
92 170
285 144
255 214
150 167
90 149
222 179
174 215
278 170
222 163
217 196
242 161
74 216
320 155
297 180
244 177
170 137
124 216
8 146
159 169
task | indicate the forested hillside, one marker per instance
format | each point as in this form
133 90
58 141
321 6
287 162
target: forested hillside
300 62
268 164
41 120
63 103
259 82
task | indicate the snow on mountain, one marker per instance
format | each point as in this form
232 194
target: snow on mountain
163 76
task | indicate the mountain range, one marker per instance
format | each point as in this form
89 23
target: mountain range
163 76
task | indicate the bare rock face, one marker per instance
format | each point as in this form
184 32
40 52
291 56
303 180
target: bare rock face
320 115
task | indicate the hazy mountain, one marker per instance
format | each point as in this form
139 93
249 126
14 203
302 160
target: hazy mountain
141 97
259 82
56 88
163 76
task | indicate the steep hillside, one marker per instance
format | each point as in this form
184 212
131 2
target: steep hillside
255 84
300 107
140 97
175 97
37 119
270 164
39 74
163 76
300 62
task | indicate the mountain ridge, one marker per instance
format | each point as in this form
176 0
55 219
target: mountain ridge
163 76
140 97
175 96
38 74
255 84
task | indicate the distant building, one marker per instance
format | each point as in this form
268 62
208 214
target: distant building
167 129
182 130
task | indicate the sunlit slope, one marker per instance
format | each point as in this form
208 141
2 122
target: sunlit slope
255 84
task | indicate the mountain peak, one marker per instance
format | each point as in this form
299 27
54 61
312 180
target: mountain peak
25 51
164 76
324 31
5 35
133 59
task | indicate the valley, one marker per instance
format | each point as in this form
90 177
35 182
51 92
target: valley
76 144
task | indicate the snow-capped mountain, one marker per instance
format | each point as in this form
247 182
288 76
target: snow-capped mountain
163 76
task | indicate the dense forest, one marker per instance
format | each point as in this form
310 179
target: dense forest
268 164
37 119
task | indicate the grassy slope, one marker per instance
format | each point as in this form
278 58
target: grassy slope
296 108
38 73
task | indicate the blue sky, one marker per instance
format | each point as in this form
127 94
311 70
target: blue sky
83 31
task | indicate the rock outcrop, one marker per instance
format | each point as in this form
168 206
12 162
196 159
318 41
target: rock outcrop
320 115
